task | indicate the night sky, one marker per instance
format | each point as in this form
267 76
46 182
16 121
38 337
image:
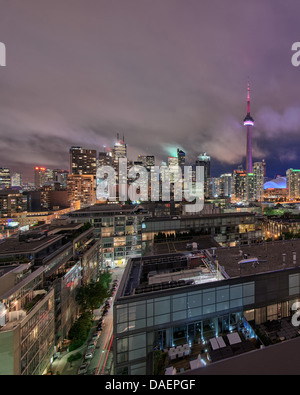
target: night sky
165 73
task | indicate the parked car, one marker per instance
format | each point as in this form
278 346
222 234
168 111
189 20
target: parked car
105 311
91 345
88 355
83 368
95 336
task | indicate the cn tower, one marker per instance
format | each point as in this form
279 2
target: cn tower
248 121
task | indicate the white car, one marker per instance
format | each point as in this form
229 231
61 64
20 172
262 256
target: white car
88 355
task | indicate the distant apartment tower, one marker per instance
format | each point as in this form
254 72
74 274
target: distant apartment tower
16 180
83 161
258 175
214 187
239 185
81 190
293 183
39 176
225 184
5 181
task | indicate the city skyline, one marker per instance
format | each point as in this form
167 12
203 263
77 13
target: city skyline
166 76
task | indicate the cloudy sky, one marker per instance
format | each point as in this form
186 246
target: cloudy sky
165 73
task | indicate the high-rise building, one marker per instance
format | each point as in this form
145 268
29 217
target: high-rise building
81 190
147 160
5 181
225 184
181 158
49 177
213 187
16 180
204 160
250 187
239 185
258 182
39 176
293 183
249 122
105 158
60 176
83 161
119 151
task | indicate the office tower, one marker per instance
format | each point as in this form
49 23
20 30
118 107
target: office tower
181 158
204 160
239 185
225 184
5 181
105 158
258 181
39 176
213 187
173 168
16 180
49 176
60 176
119 151
293 183
147 160
83 161
81 190
249 122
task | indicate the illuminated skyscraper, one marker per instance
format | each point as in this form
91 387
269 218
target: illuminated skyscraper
16 180
82 161
239 185
39 176
293 183
258 183
181 158
147 160
248 121
5 181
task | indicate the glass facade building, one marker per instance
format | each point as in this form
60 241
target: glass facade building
194 313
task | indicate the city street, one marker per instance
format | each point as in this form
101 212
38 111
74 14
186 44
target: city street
102 361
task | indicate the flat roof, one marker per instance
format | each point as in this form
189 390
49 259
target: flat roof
162 272
12 245
107 208
271 256
184 217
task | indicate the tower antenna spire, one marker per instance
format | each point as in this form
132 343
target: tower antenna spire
248 122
